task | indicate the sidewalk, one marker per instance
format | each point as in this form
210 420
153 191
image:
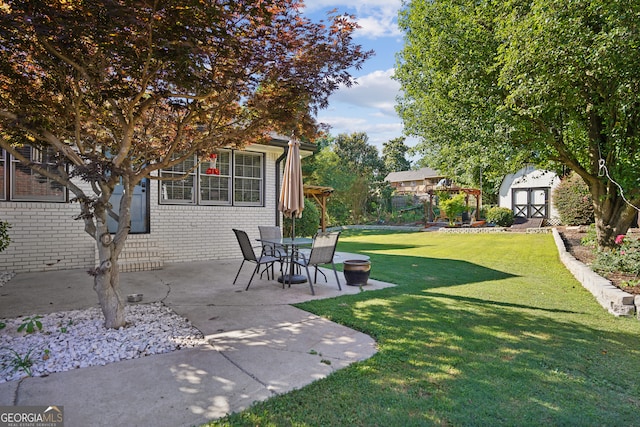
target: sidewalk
258 345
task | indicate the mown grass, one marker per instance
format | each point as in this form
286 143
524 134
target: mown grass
481 330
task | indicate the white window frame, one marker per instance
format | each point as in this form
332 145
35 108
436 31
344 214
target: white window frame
238 174
165 185
244 174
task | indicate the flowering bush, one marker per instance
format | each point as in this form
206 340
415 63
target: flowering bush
625 258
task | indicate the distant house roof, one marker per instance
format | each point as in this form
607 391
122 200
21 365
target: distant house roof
413 175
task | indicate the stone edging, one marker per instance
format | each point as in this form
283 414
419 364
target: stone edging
613 299
376 227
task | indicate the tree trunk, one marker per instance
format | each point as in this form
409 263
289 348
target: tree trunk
613 215
107 274
107 286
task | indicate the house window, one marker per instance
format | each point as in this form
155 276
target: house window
238 181
248 179
27 184
179 190
216 189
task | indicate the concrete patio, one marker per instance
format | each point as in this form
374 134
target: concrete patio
258 345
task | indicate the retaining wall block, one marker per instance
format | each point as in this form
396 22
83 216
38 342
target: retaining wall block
613 299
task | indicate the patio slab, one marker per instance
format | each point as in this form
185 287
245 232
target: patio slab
258 345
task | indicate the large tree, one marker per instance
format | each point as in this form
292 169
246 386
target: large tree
530 81
394 155
360 160
118 89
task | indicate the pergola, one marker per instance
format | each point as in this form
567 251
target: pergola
320 195
477 193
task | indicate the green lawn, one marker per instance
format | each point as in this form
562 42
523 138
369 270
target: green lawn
482 329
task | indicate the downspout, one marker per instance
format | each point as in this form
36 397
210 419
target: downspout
279 160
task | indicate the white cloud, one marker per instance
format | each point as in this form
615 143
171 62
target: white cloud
378 23
374 90
369 105
377 18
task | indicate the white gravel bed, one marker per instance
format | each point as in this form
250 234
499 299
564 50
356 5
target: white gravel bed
78 339
5 276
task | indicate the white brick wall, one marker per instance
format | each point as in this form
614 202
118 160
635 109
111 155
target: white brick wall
46 237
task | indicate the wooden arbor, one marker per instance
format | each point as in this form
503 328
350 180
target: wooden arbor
477 193
320 195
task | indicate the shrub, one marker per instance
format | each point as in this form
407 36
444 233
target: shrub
4 235
573 201
591 238
625 258
308 225
453 206
500 216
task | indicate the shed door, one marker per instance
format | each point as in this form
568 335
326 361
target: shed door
530 202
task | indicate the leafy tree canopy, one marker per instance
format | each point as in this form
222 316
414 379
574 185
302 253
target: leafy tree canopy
354 149
394 155
118 89
495 84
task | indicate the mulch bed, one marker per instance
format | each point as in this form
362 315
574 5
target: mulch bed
572 238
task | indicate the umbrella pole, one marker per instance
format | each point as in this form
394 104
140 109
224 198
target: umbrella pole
293 236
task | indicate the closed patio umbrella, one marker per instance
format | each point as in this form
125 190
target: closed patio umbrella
291 202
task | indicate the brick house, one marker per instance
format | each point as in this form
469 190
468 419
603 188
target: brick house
172 221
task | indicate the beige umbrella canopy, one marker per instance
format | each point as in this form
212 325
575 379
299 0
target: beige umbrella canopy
291 202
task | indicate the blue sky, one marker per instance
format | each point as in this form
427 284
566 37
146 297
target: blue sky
367 106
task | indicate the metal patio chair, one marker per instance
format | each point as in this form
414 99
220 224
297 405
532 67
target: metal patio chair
249 255
272 232
322 253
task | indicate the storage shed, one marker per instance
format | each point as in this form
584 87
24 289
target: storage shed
529 192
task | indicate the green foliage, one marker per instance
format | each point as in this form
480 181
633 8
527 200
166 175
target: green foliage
394 155
307 225
502 217
20 362
590 238
352 168
5 239
404 216
630 283
354 149
453 206
573 201
624 258
65 328
30 324
490 85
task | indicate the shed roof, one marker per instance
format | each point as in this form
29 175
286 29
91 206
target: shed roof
413 175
